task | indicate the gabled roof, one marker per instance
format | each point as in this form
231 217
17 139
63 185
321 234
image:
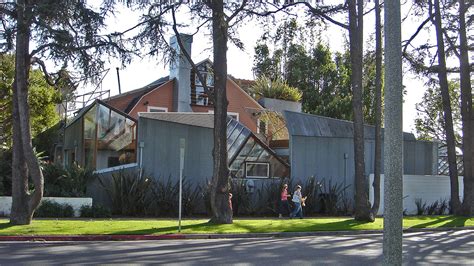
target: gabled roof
192 119
127 100
301 124
97 101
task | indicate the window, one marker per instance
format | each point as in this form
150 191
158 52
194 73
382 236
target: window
257 170
234 116
156 109
198 95
262 127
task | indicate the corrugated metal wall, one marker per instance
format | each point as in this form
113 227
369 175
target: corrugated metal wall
161 149
323 157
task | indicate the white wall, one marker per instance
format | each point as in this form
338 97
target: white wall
428 188
76 203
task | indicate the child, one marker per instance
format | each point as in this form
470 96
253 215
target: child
284 207
297 200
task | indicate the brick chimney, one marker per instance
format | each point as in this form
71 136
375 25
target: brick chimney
180 70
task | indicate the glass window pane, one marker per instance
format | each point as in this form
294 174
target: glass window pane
233 137
231 126
256 170
90 137
116 140
236 146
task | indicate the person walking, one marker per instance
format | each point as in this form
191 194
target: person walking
284 206
297 200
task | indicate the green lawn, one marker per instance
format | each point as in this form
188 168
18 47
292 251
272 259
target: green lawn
154 226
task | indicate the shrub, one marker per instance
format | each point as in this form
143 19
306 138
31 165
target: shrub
310 190
54 210
95 211
442 207
240 197
420 206
271 196
332 198
129 193
263 201
5 172
70 182
431 209
165 197
277 89
206 196
438 207
191 197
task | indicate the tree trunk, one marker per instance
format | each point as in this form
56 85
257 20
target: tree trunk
24 162
221 210
448 117
378 109
362 204
467 116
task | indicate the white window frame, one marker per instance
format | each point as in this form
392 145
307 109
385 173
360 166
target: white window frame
259 177
149 108
258 127
229 113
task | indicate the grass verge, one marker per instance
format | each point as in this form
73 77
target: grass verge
201 226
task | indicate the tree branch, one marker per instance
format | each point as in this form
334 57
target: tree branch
418 30
237 11
451 44
322 14
7 11
42 65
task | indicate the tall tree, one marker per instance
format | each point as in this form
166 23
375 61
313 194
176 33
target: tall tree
467 114
42 100
446 19
448 117
356 26
221 210
378 109
64 31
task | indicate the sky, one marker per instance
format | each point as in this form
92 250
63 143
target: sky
141 72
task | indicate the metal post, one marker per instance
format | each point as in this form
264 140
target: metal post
141 145
393 141
346 156
182 143
118 80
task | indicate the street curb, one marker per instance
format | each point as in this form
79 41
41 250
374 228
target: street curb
215 236
92 237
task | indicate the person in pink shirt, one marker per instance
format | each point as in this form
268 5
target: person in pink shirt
284 206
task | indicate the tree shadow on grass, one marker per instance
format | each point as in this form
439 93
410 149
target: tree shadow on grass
345 225
205 226
294 226
306 225
5 225
452 221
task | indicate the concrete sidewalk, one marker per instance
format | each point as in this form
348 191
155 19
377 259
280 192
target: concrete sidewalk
212 236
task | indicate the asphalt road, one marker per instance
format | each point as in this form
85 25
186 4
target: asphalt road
447 247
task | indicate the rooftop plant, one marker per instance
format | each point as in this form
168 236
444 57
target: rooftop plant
277 89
